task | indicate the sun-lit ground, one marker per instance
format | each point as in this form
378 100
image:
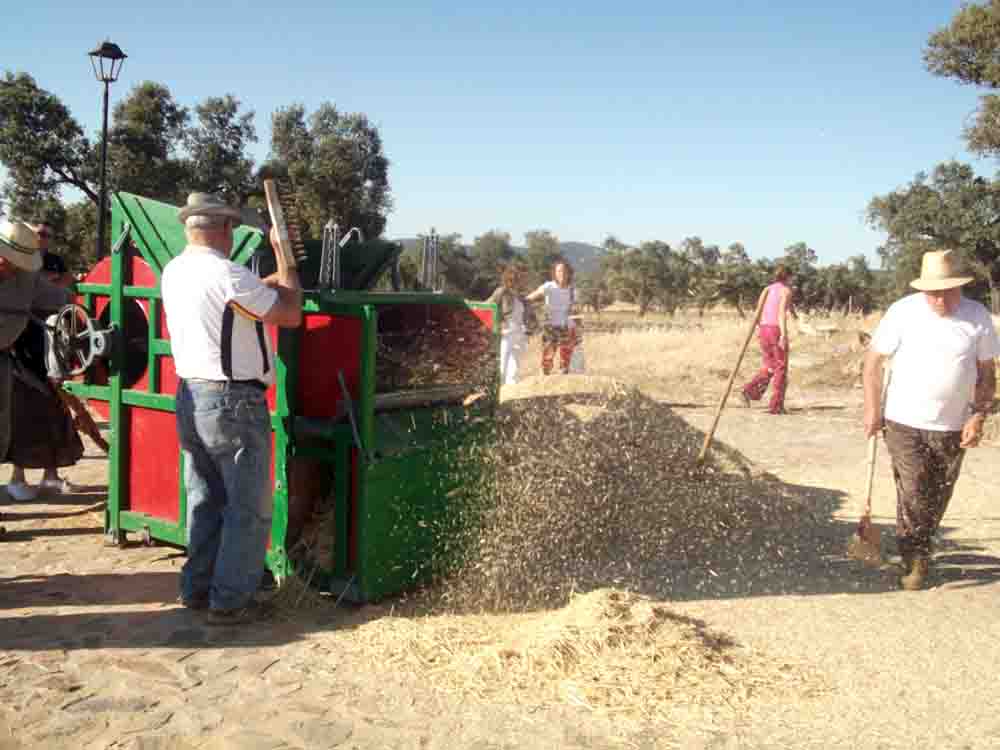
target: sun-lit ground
617 586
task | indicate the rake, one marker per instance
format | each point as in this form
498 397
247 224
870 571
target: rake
866 544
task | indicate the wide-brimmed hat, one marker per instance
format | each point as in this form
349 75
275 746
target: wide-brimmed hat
207 204
939 269
19 245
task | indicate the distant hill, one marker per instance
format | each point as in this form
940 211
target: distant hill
584 257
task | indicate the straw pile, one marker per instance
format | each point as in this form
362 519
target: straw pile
610 652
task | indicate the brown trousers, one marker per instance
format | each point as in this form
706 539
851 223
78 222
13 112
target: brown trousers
925 465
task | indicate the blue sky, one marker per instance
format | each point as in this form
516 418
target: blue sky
762 122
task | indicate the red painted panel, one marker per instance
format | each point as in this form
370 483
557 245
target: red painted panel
152 458
484 315
101 408
142 276
100 273
168 376
330 343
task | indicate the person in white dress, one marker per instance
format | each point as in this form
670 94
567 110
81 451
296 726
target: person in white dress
513 331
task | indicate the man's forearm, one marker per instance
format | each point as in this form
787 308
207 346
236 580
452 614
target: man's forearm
873 380
289 284
986 386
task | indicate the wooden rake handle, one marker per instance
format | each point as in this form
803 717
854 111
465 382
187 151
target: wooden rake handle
732 376
278 220
872 454
873 445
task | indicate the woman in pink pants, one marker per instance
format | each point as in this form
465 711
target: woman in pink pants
773 331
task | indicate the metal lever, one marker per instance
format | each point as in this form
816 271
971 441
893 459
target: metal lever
350 416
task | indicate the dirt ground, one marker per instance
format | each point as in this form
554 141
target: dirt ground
95 652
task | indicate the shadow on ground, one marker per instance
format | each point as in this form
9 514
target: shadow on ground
138 609
595 491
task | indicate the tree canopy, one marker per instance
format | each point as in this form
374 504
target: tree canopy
338 167
163 150
951 208
968 50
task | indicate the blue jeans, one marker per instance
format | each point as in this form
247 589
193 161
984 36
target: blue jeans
225 437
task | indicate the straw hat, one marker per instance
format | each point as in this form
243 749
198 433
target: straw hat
19 245
939 270
207 204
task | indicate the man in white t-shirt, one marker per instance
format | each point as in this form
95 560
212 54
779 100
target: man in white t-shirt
943 379
216 311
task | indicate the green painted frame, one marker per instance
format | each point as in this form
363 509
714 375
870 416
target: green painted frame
157 236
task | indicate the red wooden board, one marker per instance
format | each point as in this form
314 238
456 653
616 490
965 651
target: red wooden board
330 343
152 457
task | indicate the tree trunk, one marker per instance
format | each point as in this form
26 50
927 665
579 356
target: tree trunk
994 299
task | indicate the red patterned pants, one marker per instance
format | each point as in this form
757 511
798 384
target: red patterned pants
774 366
562 338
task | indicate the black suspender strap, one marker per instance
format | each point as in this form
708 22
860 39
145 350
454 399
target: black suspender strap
226 345
263 346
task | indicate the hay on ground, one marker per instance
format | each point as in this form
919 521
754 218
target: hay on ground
607 651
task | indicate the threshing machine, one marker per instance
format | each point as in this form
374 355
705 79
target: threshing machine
377 400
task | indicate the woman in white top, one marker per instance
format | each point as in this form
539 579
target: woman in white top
513 331
560 331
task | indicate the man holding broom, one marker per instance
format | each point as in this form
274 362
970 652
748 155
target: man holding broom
942 347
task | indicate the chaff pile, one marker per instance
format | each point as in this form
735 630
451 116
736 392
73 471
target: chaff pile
607 651
597 486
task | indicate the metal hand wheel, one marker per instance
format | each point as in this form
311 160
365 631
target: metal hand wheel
75 341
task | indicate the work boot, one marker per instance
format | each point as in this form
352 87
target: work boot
916 574
254 611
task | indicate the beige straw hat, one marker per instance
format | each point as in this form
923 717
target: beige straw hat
19 245
207 204
939 270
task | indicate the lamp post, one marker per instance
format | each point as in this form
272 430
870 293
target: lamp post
107 61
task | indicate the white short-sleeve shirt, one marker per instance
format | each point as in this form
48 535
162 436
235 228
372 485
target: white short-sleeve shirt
198 287
558 300
934 361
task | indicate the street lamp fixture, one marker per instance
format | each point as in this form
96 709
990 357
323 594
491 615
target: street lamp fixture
107 61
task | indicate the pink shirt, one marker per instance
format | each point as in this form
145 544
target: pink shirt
769 315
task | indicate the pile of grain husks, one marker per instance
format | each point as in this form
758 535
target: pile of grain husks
596 492
598 486
611 652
